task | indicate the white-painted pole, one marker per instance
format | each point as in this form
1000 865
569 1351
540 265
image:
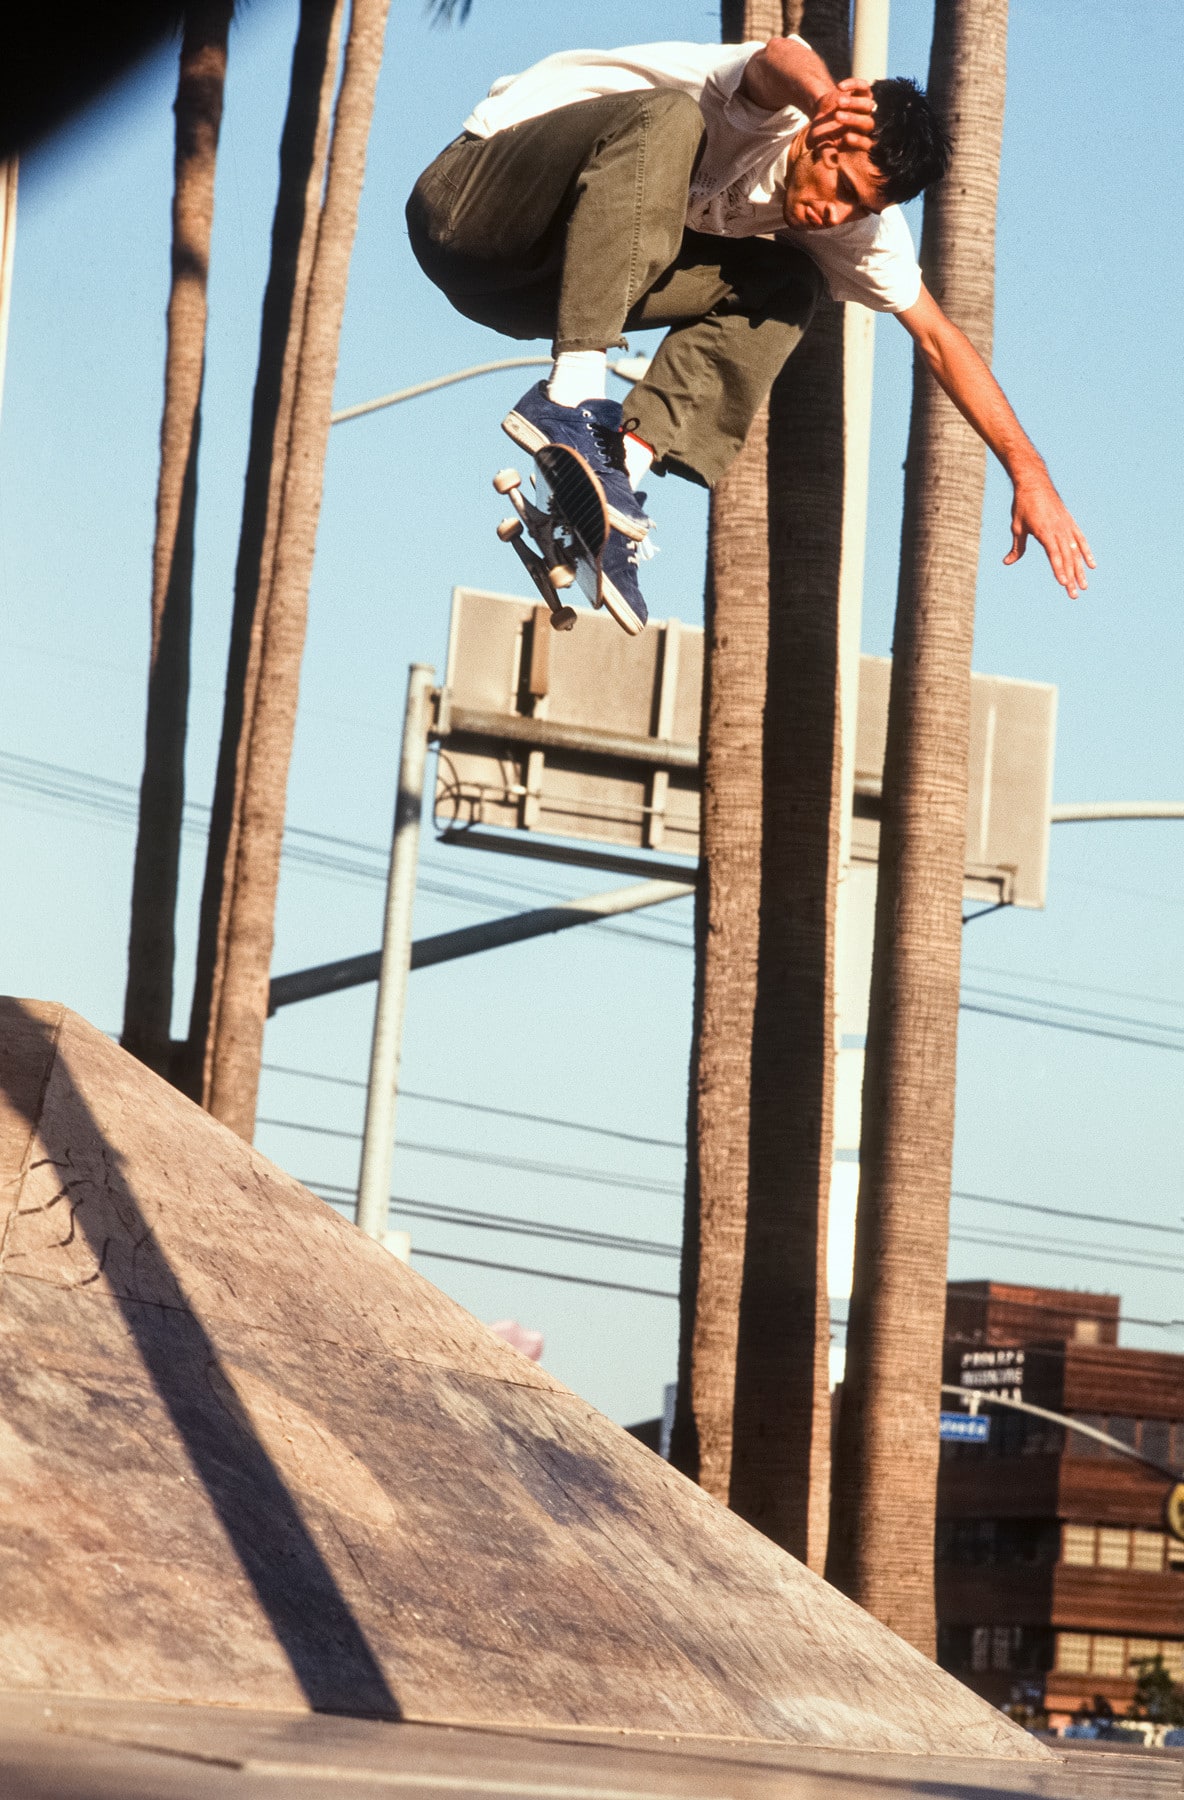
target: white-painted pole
378 1139
869 61
8 172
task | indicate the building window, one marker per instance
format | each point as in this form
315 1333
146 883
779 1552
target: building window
1110 1547
1073 1650
1079 1546
1099 1653
1109 1656
1114 1549
1147 1550
1087 1446
1156 1439
1160 1439
980 1649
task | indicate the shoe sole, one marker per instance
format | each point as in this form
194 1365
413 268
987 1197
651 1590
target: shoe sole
529 438
615 604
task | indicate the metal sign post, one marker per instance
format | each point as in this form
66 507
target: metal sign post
378 1139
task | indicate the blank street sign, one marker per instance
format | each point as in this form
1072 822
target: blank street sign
593 736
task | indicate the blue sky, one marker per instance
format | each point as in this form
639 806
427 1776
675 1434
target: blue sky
594 1027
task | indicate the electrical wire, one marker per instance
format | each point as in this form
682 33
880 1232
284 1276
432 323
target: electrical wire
1118 1037
477 1262
1061 1212
516 1227
1083 987
1086 1012
467 1217
1106 1256
497 1112
526 1165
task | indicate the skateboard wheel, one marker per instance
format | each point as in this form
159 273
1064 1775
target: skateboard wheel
562 575
505 479
509 529
564 618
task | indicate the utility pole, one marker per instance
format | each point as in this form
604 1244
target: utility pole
378 1140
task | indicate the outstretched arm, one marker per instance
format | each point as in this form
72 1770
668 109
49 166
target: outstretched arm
788 73
1037 509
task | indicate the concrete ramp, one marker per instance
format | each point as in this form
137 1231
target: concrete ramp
249 1459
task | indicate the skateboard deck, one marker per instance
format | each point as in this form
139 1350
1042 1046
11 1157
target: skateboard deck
568 522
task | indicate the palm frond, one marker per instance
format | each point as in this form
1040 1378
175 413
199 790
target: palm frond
448 12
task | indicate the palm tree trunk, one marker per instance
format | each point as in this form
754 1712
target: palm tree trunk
303 150
241 1013
753 1421
886 1476
148 1002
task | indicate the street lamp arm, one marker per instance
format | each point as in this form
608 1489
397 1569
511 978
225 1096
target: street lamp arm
1075 812
1042 1412
439 381
629 368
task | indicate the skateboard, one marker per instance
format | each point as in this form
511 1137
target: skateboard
568 521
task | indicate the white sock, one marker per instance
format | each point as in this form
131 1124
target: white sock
639 459
578 375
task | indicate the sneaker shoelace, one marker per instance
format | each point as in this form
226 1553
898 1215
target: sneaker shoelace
612 442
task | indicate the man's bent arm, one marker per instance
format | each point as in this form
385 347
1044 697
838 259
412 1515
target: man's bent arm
1037 509
788 73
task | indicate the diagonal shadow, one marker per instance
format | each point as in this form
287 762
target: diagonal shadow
311 1618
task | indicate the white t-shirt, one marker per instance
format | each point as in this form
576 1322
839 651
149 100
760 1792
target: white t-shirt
738 189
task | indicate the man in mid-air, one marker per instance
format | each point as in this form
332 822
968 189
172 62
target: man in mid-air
711 189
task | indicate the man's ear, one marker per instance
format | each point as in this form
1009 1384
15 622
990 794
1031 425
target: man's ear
828 156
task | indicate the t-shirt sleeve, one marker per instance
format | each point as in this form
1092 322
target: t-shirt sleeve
872 262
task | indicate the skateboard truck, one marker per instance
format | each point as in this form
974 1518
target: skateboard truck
553 569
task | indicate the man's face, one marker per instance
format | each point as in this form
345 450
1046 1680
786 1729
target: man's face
826 187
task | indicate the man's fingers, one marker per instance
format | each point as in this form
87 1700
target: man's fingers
1019 543
1083 546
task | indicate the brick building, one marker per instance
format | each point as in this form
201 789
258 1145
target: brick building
1054 1572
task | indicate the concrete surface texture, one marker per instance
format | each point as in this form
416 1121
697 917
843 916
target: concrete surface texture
53 1749
249 1459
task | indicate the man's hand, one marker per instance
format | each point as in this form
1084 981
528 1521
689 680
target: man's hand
843 116
1038 511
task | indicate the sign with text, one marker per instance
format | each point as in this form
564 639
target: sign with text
999 1371
964 1428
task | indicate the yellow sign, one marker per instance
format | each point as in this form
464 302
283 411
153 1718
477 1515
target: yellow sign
1173 1512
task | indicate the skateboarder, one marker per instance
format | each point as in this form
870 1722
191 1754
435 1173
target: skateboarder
712 189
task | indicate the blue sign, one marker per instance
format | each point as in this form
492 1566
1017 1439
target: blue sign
964 1428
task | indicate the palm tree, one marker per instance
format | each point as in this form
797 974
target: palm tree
148 1002
303 150
886 1472
239 1012
753 1417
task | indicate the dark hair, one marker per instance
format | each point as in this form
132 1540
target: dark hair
910 144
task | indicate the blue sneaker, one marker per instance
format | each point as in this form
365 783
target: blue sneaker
594 429
618 584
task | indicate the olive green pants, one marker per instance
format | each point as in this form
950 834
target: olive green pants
572 226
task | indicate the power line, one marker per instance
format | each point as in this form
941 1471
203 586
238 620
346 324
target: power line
523 1164
1119 1037
477 1262
1060 1212
486 1221
607 1178
497 1112
1084 987
1084 1012
465 1217
1106 1256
